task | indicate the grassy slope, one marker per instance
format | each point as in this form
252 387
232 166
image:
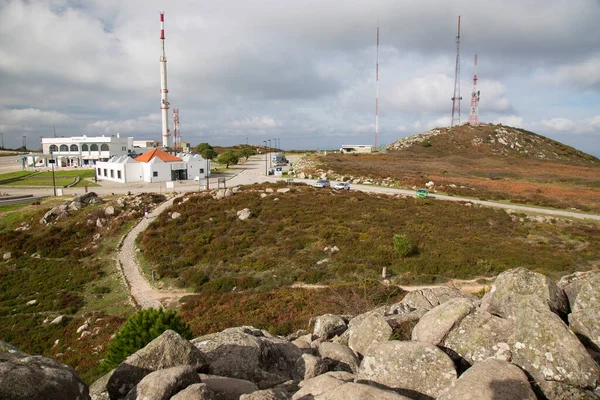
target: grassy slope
72 277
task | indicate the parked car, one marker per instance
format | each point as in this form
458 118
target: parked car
422 193
322 183
342 186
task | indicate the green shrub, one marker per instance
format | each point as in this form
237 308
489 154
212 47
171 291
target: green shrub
139 330
403 246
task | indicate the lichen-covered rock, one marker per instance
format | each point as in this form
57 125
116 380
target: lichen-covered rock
226 388
519 289
321 384
414 369
166 351
98 389
343 356
437 322
490 380
329 325
546 348
197 391
37 378
358 391
585 318
247 353
480 336
403 324
309 366
164 383
571 284
373 329
427 299
268 394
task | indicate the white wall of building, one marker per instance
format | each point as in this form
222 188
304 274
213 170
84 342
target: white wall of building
82 150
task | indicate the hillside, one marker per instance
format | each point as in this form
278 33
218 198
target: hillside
491 140
484 162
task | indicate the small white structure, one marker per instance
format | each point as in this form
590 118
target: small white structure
154 166
356 148
146 143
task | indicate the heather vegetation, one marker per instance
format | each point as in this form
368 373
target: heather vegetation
209 249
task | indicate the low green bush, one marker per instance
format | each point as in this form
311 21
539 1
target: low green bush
139 330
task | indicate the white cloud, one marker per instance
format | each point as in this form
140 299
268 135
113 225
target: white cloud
510 120
440 122
146 123
582 74
264 122
566 125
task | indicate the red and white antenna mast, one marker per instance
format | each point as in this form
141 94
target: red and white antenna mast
456 98
377 92
164 100
474 114
176 133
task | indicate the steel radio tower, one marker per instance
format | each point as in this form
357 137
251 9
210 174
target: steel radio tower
377 93
474 114
456 98
164 101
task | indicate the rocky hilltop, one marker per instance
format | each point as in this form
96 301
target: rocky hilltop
527 338
496 140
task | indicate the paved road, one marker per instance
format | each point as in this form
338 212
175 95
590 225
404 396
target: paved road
253 171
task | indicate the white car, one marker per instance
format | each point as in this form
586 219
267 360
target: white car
322 183
342 186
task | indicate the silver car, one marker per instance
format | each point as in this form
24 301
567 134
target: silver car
342 186
322 183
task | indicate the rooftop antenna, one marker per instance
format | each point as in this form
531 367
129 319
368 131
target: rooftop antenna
377 91
474 114
456 98
164 101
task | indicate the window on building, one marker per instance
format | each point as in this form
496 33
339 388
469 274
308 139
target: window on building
74 147
112 173
94 147
53 148
105 174
64 147
124 148
119 174
84 147
99 172
201 170
104 147
154 173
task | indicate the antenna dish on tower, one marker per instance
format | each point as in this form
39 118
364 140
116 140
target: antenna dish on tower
474 113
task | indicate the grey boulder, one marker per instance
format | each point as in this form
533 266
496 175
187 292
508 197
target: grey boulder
164 383
490 380
196 391
373 329
437 322
518 289
247 353
414 369
358 391
327 326
426 299
166 351
321 384
480 336
37 378
343 357
228 388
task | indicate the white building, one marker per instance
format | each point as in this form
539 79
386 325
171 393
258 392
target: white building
356 148
153 166
78 151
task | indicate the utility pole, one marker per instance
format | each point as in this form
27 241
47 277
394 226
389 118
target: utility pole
266 156
53 179
2 134
24 142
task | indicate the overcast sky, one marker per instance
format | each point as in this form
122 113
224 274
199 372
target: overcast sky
302 71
